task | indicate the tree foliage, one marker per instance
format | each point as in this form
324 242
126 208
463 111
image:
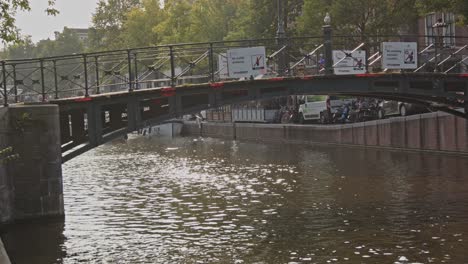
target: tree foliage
176 25
139 27
66 43
459 7
134 23
212 20
108 21
8 31
359 17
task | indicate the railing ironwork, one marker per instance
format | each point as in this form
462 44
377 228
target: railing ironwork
44 79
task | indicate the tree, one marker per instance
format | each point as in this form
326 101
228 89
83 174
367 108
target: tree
21 50
138 29
176 25
255 19
311 21
66 43
359 17
212 20
108 20
293 10
459 7
8 31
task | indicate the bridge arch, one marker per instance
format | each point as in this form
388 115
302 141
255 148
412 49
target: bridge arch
91 121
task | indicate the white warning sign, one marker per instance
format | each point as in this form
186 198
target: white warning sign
246 62
399 55
348 62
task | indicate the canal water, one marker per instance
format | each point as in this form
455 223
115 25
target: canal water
195 200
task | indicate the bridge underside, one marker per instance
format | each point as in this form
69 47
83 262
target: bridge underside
91 121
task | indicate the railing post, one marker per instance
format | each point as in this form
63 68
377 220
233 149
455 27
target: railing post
5 93
130 75
85 64
55 80
43 81
136 70
328 56
14 83
98 84
366 53
436 59
211 61
171 54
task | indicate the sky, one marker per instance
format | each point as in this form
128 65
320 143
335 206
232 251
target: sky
73 13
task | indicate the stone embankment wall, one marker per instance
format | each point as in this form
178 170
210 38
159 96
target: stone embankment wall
431 132
31 185
6 189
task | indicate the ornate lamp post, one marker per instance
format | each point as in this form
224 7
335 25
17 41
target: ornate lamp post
280 33
327 40
281 39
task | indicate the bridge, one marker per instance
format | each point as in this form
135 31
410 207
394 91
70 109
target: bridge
105 95
56 108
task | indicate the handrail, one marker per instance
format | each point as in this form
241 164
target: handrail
129 67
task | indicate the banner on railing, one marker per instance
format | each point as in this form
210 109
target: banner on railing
246 62
349 62
399 55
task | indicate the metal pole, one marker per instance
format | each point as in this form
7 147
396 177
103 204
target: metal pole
5 94
328 55
55 80
436 44
14 83
366 54
85 64
97 75
43 81
171 54
280 39
212 74
130 75
136 70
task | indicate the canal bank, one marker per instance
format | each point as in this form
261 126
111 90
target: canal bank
435 132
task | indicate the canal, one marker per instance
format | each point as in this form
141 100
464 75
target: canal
200 200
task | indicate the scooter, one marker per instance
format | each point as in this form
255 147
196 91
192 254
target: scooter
341 114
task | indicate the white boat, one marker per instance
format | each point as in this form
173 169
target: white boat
170 129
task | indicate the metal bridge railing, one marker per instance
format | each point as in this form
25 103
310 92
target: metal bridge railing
44 79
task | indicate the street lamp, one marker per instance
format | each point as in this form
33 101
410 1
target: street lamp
280 33
438 25
281 41
327 19
327 40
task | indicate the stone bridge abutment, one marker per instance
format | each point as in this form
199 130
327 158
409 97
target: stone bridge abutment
31 184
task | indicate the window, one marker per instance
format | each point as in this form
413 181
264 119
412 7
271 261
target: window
447 32
430 21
